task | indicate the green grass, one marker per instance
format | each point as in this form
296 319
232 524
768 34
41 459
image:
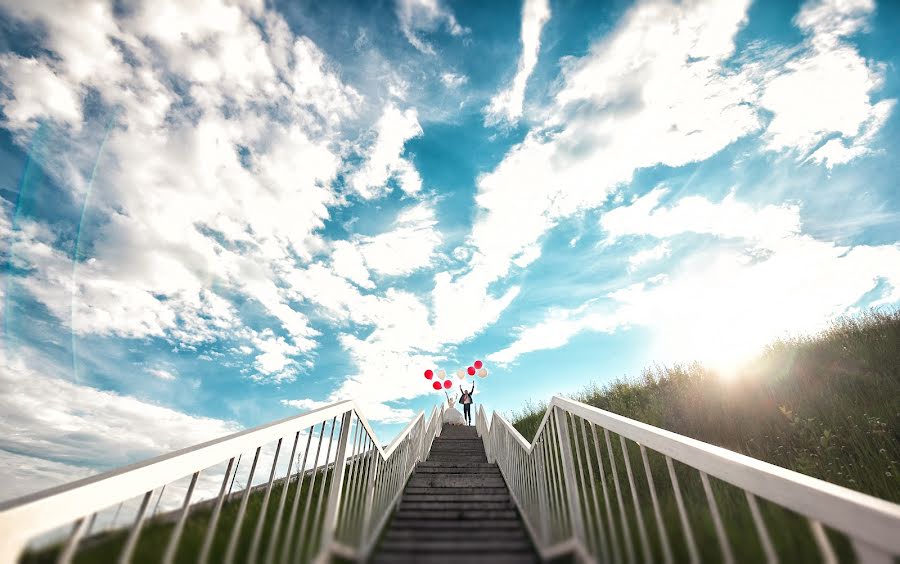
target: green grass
826 405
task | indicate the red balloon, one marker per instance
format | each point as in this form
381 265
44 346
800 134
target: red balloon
478 364
429 374
436 385
471 370
447 384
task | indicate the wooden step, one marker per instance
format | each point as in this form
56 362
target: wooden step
402 523
455 505
453 491
401 558
455 534
475 469
455 481
456 508
450 515
460 496
477 466
458 546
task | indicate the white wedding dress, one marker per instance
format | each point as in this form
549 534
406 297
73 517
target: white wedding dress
451 415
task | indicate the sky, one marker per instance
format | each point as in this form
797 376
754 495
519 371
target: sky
216 214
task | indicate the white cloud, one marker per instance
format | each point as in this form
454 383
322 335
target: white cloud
723 302
275 361
652 91
425 16
409 246
192 192
452 80
347 261
305 404
162 374
724 306
506 105
39 92
827 89
385 157
28 474
832 20
652 254
696 214
58 420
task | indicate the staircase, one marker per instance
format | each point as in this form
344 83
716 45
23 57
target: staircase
456 508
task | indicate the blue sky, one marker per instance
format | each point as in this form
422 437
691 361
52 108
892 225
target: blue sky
217 215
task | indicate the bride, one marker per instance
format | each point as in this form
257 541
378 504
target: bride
451 415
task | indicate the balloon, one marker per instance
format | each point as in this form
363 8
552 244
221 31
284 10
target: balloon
448 384
429 374
471 370
461 374
478 364
483 373
436 385
442 374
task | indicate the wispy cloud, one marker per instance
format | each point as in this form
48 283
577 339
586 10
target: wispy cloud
506 105
425 16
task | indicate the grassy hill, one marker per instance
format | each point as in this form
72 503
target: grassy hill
826 405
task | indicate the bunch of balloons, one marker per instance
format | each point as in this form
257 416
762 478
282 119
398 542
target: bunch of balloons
477 368
429 374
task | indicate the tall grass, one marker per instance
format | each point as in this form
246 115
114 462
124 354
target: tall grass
826 405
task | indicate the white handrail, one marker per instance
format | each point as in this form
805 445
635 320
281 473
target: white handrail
568 486
365 482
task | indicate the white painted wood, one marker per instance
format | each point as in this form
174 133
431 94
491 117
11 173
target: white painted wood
761 530
175 537
660 525
544 490
329 522
214 519
135 532
601 529
239 520
638 513
260 523
68 552
869 519
626 531
724 545
825 549
682 515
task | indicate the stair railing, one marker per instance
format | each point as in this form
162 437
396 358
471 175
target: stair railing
332 495
649 496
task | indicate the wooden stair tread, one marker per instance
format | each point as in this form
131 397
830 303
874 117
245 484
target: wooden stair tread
456 508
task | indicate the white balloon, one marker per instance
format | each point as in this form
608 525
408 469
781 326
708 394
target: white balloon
442 374
482 372
461 374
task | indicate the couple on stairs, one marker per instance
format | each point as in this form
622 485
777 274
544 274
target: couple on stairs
451 416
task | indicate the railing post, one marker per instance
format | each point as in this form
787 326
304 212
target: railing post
489 443
568 464
543 501
337 483
422 432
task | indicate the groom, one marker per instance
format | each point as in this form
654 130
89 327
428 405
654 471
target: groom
466 401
